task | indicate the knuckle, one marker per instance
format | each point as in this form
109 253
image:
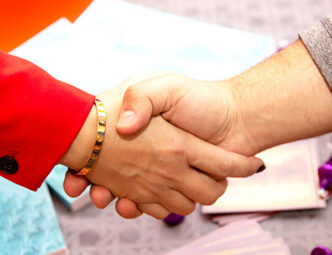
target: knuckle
157 216
183 210
130 94
175 149
146 191
222 186
216 192
154 211
179 152
161 216
169 174
223 170
178 148
211 198
188 209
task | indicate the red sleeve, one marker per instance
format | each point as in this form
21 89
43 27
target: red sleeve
40 117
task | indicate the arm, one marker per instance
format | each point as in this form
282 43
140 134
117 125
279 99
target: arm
40 118
46 121
296 103
303 73
283 99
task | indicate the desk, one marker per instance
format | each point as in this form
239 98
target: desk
100 232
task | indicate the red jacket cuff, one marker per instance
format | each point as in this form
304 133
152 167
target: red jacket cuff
40 118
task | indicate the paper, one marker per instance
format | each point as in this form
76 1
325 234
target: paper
28 224
242 237
230 218
290 182
114 39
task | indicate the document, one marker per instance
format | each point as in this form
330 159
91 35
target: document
289 182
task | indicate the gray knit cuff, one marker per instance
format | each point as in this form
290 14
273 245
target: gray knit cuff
318 41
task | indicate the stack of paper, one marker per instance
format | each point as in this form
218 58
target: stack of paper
241 238
290 182
28 224
235 217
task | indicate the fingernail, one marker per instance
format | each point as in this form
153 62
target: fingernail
127 117
261 169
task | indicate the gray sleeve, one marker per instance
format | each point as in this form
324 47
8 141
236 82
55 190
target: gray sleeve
318 41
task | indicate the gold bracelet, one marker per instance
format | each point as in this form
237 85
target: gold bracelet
99 140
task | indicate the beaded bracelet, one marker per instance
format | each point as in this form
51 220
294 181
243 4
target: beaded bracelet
99 140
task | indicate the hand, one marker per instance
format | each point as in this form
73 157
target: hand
75 185
101 197
273 103
205 109
156 168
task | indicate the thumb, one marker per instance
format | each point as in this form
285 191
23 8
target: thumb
136 111
148 98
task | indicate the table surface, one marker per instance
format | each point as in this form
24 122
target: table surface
100 232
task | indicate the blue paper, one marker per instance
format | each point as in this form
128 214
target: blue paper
28 224
113 40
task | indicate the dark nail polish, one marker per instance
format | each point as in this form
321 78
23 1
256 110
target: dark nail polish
261 169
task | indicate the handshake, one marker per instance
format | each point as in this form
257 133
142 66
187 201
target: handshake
171 141
170 147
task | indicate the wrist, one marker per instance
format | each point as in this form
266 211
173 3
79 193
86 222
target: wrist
253 114
79 152
243 135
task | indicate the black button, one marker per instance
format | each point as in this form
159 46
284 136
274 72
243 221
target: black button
8 165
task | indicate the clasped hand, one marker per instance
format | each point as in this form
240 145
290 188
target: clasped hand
167 146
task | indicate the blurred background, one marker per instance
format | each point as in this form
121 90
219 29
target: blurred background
281 19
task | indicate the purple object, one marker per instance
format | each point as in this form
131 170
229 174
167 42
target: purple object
173 219
321 250
325 175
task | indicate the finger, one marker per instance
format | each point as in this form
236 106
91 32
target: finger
146 99
176 202
100 196
74 185
201 188
220 163
223 184
127 209
155 210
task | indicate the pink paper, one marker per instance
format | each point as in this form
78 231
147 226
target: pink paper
290 182
230 218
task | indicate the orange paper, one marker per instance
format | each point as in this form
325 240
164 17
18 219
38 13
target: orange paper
21 19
